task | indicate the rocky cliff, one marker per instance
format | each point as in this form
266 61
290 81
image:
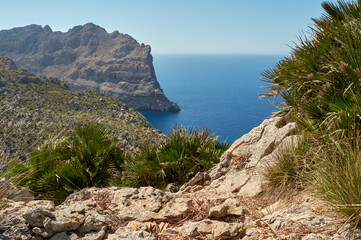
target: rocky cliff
34 109
224 203
88 58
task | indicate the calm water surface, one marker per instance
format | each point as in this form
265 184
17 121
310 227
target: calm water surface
215 91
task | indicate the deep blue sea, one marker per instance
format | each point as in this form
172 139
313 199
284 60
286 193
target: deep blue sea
216 91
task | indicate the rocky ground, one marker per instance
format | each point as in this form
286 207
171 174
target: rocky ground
227 202
88 58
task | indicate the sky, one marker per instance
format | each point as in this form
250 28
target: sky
178 26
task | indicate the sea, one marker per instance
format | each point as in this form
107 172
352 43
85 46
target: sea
218 92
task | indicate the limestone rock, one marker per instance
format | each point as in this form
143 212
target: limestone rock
88 58
231 206
175 209
241 166
98 235
64 236
61 226
36 215
131 235
212 229
94 222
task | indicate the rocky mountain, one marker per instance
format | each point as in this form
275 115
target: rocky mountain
34 109
225 202
88 58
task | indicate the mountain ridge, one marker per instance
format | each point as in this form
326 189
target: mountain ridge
86 57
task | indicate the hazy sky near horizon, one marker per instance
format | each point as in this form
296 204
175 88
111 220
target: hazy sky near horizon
178 26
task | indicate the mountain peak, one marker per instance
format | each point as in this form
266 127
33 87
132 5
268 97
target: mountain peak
88 27
88 58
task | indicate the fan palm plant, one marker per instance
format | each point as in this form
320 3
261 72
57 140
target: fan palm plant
320 82
186 152
87 157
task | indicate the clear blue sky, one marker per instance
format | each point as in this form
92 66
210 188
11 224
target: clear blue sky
178 26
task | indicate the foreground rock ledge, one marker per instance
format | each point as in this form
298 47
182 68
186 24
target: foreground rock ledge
223 203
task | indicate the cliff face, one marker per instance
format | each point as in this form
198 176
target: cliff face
88 58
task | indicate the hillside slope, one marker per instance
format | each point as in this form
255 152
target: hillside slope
34 109
88 58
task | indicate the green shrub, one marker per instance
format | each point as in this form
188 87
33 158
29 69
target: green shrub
320 82
171 164
320 88
86 157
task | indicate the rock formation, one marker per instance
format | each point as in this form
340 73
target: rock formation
223 203
88 58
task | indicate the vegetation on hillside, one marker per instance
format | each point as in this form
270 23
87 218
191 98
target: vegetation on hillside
33 109
89 157
168 166
320 88
320 82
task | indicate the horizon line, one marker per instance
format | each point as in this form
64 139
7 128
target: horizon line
210 53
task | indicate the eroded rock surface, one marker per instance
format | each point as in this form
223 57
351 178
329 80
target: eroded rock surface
203 209
88 58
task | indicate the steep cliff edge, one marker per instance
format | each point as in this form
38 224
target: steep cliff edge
88 58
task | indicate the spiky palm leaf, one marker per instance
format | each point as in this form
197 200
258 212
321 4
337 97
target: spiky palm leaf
323 72
87 157
186 152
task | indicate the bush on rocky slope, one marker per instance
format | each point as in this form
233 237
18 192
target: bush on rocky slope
320 81
87 157
291 169
321 89
338 178
168 166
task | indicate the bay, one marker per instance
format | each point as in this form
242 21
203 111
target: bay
219 92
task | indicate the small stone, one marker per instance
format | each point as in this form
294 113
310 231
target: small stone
94 222
133 235
64 236
36 215
217 229
231 206
171 231
175 209
95 236
314 236
251 232
42 232
60 226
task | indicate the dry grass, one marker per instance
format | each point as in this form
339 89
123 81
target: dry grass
297 229
338 179
290 171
